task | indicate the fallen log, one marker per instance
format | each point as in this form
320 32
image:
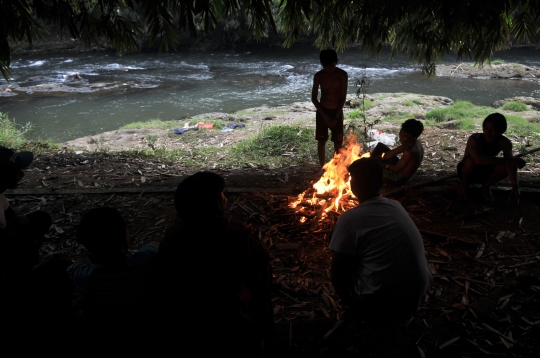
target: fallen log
132 190
528 152
417 185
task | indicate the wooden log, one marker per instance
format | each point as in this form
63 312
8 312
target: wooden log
417 185
131 190
528 152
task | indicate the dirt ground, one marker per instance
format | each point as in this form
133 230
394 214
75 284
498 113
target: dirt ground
485 295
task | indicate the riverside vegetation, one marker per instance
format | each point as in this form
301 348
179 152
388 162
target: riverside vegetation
282 136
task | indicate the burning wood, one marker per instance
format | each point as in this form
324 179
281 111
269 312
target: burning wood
334 185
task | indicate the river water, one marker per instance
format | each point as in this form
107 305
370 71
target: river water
183 84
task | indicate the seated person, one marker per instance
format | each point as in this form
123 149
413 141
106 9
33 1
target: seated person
480 163
21 236
36 299
214 273
378 260
397 171
115 288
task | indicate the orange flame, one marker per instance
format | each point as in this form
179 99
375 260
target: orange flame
334 185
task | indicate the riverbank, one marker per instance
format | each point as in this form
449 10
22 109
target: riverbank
483 259
385 112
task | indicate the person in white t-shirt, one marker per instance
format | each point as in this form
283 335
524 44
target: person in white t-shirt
378 262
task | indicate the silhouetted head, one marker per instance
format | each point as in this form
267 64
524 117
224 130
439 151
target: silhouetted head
366 178
412 126
103 232
498 121
328 57
200 196
11 165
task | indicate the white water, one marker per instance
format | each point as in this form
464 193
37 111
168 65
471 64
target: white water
189 83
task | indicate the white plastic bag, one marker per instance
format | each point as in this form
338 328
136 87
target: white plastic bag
384 138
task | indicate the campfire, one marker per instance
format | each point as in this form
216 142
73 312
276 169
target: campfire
332 192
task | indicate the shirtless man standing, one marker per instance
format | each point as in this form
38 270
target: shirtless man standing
333 83
480 163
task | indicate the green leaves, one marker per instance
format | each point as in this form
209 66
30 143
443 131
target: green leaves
425 30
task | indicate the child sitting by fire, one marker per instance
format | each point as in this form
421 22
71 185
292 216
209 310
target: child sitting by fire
397 171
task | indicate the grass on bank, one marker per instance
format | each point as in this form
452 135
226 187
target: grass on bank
12 135
515 106
462 112
272 145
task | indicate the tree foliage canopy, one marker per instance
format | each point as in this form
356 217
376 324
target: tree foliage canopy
426 30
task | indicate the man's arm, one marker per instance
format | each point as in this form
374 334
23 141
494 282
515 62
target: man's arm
392 153
315 92
343 90
511 170
479 158
402 163
342 273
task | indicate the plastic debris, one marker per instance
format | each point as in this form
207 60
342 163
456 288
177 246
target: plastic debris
384 138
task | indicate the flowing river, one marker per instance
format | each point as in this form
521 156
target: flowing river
178 85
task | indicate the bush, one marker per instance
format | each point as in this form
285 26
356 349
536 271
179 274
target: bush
355 114
515 106
274 141
459 110
12 134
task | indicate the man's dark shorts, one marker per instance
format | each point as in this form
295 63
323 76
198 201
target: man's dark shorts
321 128
480 173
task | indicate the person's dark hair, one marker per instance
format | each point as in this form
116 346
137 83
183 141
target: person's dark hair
103 232
200 196
413 126
328 57
366 175
498 120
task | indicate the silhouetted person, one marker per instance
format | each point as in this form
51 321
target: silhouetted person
214 275
480 164
116 288
21 236
333 83
35 299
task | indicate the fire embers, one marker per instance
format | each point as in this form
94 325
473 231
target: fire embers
332 191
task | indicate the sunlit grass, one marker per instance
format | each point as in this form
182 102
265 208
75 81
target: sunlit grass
515 106
12 135
462 112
